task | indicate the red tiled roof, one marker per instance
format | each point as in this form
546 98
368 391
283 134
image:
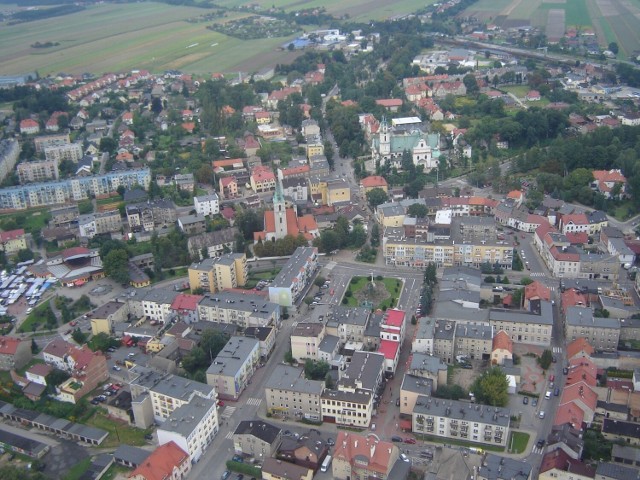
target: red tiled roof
577 238
577 346
9 345
161 463
537 290
560 460
502 341
575 218
389 102
57 347
228 162
295 170
572 298
580 392
261 173
185 301
226 181
515 194
11 235
569 413
373 181
28 123
609 176
376 453
41 369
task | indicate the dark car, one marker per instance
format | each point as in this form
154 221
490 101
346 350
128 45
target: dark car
556 392
525 400
565 370
238 458
148 436
540 443
397 438
397 402
331 442
534 402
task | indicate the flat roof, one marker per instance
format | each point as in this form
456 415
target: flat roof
285 377
470 412
179 387
186 418
542 316
293 267
233 356
419 385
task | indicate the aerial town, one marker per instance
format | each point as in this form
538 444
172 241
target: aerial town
388 258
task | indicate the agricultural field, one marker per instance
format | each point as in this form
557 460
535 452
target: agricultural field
610 20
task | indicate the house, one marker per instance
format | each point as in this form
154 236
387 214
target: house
309 450
214 243
502 348
167 462
533 96
391 104
273 469
557 464
207 205
229 270
610 183
192 426
358 456
14 353
228 187
612 471
374 181
305 339
192 224
12 241
262 179
256 438
38 373
231 371
628 432
29 126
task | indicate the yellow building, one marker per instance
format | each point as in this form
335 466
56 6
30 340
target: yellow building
369 183
12 241
390 214
318 189
338 191
314 148
215 274
104 317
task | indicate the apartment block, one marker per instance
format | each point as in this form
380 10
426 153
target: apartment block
289 284
348 323
44 141
474 341
288 393
461 420
172 392
13 241
93 224
9 154
68 151
602 333
192 426
357 456
256 438
532 327
231 371
306 339
37 171
147 216
215 274
245 310
207 205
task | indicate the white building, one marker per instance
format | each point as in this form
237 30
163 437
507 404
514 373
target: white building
207 205
172 392
231 371
191 426
294 276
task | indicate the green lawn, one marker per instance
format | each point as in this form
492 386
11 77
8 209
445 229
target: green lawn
358 283
518 441
78 469
32 220
518 90
113 471
255 277
37 318
118 432
624 211
461 443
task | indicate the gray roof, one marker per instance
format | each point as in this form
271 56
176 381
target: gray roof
308 329
285 377
291 270
495 467
131 454
358 396
459 294
207 198
583 317
262 430
453 310
419 385
426 326
390 209
328 343
261 333
444 330
612 407
210 239
475 331
617 472
256 305
185 419
625 453
109 308
621 246
468 274
363 371
372 329
428 363
191 219
233 356
543 315
349 315
597 217
462 411
568 435
158 295
179 387
615 303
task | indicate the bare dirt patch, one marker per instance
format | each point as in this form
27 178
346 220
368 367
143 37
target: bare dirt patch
555 24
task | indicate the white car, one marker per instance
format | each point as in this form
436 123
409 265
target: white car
541 414
404 457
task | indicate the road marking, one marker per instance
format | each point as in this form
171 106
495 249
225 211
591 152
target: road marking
229 435
227 412
557 349
254 401
538 450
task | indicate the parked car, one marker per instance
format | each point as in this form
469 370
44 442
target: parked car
534 402
540 443
238 458
404 458
525 400
556 392
226 474
410 441
541 414
331 442
117 368
220 403
565 370
396 438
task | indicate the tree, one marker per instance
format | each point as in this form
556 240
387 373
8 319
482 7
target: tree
417 210
491 388
116 265
376 196
79 336
25 254
470 82
375 235
613 48
316 370
546 359
103 342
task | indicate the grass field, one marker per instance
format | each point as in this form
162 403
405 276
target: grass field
519 441
37 318
118 432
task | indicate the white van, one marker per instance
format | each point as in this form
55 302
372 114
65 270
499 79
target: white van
547 395
325 464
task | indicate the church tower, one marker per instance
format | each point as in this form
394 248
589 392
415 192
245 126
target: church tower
279 212
385 138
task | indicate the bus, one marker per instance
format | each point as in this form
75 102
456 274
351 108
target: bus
325 464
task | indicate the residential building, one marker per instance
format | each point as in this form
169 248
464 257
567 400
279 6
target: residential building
530 327
63 216
29 126
262 179
474 341
296 188
358 456
628 432
184 308
214 243
213 274
107 315
374 181
167 462
610 183
601 333
625 455
12 241
93 224
338 192
14 353
502 348
462 420
145 217
67 151
37 171
44 141
154 303
192 224
306 339
231 371
243 309
171 392
424 336
411 389
429 367
228 187
207 205
290 283
266 336
256 438
38 373
443 340
612 471
192 426
288 393
348 323
309 450
273 469
496 467
74 189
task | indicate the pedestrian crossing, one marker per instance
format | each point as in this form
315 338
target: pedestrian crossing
227 412
537 274
254 401
537 449
229 436
557 349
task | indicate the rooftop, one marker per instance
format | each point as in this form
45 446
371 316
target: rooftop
182 388
259 429
161 463
185 419
294 266
462 411
496 467
232 358
285 377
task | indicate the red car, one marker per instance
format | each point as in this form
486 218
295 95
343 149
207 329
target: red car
412 441
220 403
